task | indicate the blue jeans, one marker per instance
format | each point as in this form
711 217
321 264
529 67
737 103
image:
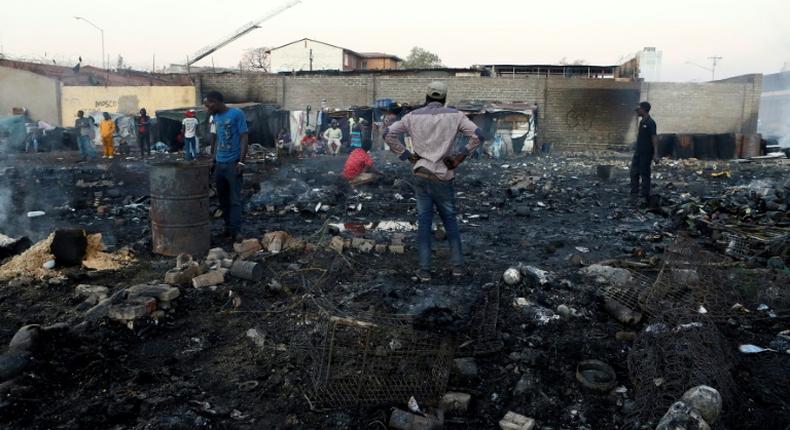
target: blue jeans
229 194
87 150
31 141
442 195
190 148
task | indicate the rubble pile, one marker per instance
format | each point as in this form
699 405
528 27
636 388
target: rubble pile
578 309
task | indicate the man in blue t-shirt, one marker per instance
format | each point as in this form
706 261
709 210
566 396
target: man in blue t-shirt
228 152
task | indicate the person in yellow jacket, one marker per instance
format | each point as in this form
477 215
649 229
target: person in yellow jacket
106 130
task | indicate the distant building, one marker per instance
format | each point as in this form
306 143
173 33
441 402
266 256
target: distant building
645 65
650 64
379 61
312 55
587 71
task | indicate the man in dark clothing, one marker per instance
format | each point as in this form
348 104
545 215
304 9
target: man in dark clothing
646 152
144 133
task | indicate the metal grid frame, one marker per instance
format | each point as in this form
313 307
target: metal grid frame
363 363
361 359
484 323
682 351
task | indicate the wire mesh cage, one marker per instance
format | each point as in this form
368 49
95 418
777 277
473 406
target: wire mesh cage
362 359
678 351
364 363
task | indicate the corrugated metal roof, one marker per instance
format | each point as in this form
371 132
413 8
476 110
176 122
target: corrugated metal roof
92 76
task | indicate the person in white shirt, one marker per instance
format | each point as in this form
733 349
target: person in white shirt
189 129
333 137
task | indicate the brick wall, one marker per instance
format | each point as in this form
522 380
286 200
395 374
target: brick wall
412 89
339 91
242 87
585 114
713 107
574 113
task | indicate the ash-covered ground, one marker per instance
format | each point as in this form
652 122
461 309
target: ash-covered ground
335 335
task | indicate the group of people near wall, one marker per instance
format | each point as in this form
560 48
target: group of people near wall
109 127
330 142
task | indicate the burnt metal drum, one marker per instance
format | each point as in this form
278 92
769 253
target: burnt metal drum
180 220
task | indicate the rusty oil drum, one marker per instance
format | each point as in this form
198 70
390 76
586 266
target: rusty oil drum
179 208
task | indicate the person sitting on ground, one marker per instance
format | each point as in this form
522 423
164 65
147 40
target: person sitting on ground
308 143
106 130
359 168
189 130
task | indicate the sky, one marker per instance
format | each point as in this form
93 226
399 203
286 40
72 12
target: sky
751 36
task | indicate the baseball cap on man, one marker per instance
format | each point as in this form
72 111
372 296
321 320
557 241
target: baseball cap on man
644 105
437 90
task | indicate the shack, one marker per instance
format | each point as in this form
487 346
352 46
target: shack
263 121
509 128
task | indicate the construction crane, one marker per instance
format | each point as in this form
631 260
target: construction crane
246 28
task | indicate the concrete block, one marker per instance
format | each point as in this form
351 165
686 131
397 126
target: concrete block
247 247
161 292
381 249
397 249
85 290
183 275
514 421
133 309
215 277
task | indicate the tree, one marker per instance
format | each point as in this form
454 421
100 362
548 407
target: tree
421 59
120 65
256 59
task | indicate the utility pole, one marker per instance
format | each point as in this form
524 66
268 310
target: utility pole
79 18
715 60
